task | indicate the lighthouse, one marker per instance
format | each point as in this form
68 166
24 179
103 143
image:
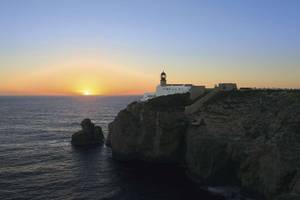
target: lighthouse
164 89
163 79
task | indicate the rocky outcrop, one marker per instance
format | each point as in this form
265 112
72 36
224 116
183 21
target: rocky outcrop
152 131
245 138
89 135
248 138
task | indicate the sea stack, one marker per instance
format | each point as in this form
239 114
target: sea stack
89 135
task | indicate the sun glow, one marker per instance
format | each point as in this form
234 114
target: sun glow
90 90
87 93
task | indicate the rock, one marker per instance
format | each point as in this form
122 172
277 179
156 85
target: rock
245 138
89 135
107 141
152 131
251 139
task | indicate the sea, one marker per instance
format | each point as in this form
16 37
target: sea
37 160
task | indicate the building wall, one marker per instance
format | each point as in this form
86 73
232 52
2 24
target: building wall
227 86
172 89
195 91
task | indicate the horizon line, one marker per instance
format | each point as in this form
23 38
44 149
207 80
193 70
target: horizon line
111 95
61 95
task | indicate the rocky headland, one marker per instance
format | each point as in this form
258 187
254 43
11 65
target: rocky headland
152 131
245 138
89 135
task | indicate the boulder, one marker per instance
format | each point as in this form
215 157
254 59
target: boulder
89 135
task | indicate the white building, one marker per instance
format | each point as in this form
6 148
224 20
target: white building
168 89
227 86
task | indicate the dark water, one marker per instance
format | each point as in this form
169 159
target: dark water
38 162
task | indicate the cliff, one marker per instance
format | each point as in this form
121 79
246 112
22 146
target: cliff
251 138
152 131
246 138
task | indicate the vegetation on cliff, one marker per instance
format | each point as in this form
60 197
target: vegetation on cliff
175 101
251 138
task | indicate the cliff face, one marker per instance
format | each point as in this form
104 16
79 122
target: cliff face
150 131
249 138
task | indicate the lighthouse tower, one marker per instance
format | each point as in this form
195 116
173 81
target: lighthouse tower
163 79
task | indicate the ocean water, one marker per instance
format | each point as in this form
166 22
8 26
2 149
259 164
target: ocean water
37 160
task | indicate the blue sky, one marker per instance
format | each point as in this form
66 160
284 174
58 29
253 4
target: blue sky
253 42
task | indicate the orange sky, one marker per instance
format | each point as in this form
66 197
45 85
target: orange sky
75 79
93 78
75 74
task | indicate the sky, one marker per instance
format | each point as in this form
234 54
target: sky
72 47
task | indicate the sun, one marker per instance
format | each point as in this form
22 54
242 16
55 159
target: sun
87 93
